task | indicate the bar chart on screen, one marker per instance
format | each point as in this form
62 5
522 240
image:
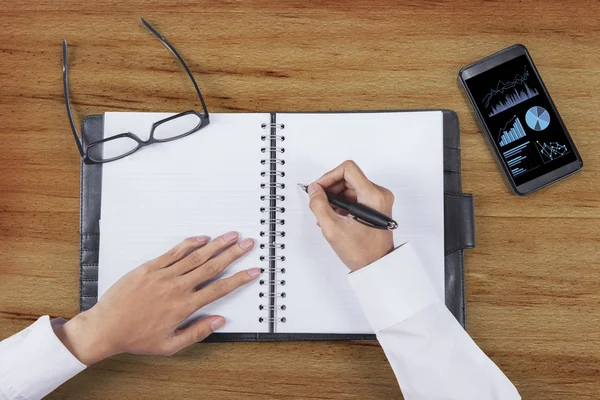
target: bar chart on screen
521 159
512 130
510 93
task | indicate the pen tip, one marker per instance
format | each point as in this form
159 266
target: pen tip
303 187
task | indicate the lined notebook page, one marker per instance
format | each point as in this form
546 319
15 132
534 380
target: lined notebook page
401 151
207 183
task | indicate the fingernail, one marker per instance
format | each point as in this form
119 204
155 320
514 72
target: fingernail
246 244
230 236
202 239
253 272
312 188
217 323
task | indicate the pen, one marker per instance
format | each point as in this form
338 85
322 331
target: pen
361 213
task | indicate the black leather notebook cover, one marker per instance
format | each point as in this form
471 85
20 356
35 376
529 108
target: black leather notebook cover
459 233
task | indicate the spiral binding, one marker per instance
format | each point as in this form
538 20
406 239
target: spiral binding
277 283
263 307
271 173
278 270
271 277
276 185
272 245
276 221
272 234
261 319
281 138
280 258
278 149
269 209
272 197
272 125
278 294
273 161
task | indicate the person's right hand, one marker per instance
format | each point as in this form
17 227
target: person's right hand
357 245
142 312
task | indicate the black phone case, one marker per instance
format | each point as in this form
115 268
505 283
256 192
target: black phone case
504 55
459 233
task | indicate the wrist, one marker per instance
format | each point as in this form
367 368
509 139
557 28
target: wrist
81 337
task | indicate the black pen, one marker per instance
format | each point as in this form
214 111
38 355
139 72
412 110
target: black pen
361 213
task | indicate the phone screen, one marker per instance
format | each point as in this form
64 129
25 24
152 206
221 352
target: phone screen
521 119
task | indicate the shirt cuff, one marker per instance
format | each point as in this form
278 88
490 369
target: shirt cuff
41 362
393 288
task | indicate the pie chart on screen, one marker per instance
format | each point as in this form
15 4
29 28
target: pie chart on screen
537 118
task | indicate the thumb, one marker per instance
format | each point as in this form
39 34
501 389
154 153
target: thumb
319 205
196 332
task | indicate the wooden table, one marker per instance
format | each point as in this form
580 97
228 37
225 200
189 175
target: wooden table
533 282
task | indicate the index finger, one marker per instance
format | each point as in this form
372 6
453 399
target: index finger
219 263
347 172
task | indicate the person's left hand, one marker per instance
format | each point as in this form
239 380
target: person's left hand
142 312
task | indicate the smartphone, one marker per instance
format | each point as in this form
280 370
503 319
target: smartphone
519 119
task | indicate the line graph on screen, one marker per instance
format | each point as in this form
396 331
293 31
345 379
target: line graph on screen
551 151
509 93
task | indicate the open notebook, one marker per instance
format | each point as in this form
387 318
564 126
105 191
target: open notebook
228 177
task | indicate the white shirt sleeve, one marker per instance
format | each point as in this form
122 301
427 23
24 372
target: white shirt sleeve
34 362
431 354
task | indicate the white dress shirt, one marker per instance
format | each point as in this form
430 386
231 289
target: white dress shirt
34 362
432 356
430 353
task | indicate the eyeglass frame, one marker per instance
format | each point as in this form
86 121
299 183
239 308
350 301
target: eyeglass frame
80 140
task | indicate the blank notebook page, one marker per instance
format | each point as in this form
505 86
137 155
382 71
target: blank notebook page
204 184
401 151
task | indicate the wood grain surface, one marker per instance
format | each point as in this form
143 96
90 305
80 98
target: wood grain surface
533 282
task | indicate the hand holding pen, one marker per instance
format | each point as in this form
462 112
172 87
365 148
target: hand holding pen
359 212
355 243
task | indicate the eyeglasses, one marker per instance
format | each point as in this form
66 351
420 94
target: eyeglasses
124 144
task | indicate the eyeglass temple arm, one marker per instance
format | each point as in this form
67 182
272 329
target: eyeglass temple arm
176 54
67 101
